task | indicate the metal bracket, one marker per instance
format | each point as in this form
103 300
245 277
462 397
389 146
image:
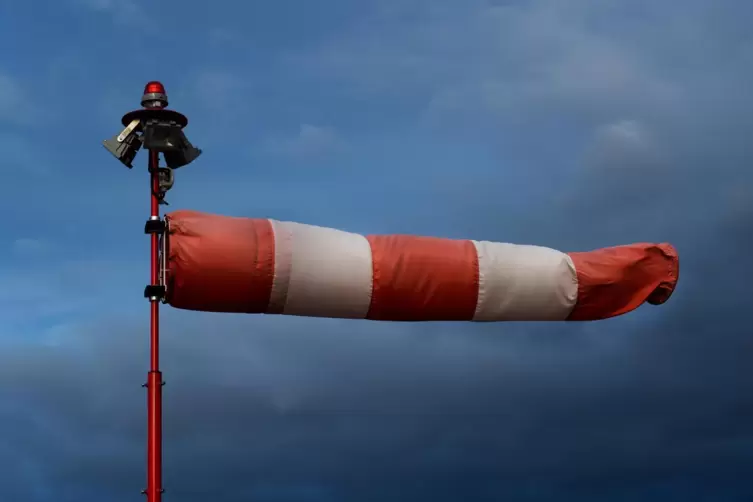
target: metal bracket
154 227
166 178
155 292
128 130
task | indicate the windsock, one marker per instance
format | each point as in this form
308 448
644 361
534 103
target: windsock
248 265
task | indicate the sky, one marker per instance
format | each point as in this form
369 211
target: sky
574 125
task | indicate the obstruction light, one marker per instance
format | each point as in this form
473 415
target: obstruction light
154 95
154 87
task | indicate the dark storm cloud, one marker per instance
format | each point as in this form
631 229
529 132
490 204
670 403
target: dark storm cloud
294 409
653 406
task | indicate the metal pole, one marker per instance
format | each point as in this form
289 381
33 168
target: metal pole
154 382
161 131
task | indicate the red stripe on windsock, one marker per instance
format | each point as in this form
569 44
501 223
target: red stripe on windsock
616 280
419 278
220 264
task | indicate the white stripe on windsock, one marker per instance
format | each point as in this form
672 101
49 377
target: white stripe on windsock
329 271
519 282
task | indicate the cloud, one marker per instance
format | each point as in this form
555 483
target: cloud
17 106
502 59
44 289
287 408
624 144
554 98
311 142
129 13
740 201
217 89
22 160
220 104
99 5
222 37
10 95
29 247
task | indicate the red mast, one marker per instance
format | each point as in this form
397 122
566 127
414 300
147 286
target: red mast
160 131
154 381
155 91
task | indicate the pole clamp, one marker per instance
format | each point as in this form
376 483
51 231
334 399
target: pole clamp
155 292
155 227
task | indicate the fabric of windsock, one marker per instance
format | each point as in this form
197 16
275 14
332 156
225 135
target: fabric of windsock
229 264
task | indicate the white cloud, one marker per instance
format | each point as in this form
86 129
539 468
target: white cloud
624 144
494 59
10 95
222 100
123 12
27 246
99 4
217 89
739 201
626 131
222 37
42 289
21 155
16 104
311 141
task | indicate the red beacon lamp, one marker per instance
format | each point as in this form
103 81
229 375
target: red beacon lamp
154 96
160 131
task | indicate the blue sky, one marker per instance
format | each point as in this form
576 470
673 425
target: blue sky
575 125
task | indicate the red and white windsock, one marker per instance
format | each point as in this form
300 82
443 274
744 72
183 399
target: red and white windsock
226 264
